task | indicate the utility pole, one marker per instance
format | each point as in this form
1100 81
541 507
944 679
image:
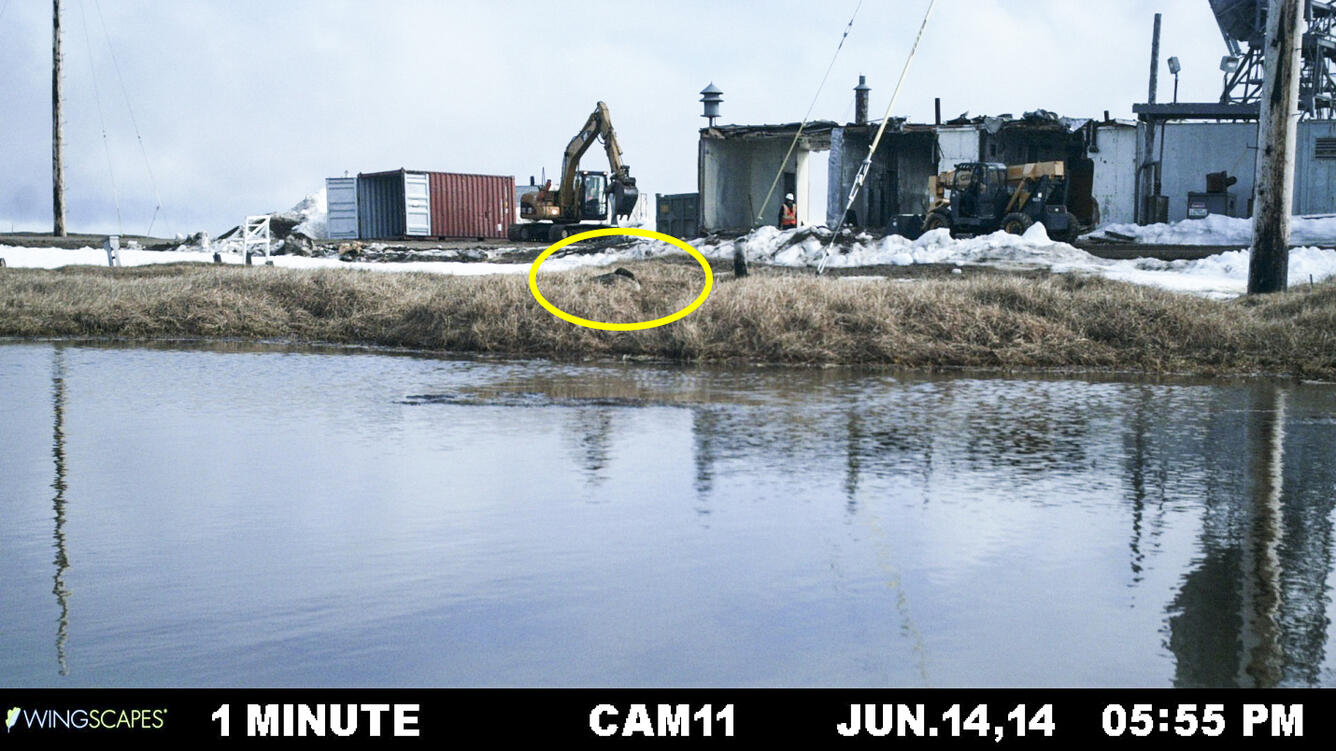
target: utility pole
1268 266
1146 177
57 163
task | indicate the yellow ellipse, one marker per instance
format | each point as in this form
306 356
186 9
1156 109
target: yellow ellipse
604 325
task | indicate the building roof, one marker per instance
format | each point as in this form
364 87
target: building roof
816 132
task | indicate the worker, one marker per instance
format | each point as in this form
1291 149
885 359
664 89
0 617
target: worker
788 213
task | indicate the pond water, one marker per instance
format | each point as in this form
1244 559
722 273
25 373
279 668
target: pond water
249 516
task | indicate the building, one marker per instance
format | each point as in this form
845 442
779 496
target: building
1192 140
1100 155
738 165
737 168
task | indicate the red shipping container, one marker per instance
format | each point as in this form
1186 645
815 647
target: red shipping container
471 205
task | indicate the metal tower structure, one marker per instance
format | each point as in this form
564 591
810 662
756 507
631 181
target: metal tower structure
1243 25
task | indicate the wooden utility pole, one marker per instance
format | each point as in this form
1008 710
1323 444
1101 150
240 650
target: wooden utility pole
1146 177
1268 267
57 164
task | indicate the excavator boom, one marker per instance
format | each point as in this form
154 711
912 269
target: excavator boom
581 195
598 126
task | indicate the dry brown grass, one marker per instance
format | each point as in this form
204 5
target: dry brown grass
990 321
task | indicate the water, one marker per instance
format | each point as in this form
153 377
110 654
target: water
272 517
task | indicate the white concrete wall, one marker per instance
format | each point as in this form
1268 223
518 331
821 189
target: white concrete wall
958 143
813 210
736 174
1114 187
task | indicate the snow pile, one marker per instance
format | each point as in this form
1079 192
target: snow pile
805 247
1034 248
1223 230
1222 275
310 215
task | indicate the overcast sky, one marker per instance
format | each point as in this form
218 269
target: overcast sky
246 106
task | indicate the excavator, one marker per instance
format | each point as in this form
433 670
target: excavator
585 200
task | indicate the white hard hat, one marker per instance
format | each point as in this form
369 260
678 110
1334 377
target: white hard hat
788 196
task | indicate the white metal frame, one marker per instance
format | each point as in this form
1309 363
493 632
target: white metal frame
255 234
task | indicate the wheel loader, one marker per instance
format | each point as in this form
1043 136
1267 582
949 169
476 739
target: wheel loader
988 196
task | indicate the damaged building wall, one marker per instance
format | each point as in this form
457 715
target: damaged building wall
1114 153
897 179
1101 178
735 175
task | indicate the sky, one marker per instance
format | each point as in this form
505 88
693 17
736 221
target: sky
244 107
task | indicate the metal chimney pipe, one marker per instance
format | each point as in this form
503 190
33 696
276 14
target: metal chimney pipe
711 96
860 100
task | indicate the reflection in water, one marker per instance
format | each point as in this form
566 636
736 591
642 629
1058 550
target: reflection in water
1246 614
1260 606
1147 476
861 529
62 560
591 434
704 427
854 434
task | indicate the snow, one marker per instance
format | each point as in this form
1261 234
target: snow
50 258
311 215
1221 275
1223 230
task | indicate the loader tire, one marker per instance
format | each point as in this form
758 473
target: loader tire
936 220
1016 223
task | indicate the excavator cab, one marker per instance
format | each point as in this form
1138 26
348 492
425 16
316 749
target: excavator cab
592 187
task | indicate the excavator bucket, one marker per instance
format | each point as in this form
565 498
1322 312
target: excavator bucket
624 195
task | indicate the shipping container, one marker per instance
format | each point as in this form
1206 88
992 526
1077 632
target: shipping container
393 205
478 206
677 214
341 200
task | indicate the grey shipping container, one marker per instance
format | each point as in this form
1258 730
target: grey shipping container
676 214
393 205
341 199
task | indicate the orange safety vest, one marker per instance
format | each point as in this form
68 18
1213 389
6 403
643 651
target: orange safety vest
788 216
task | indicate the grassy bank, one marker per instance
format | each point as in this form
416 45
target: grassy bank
983 321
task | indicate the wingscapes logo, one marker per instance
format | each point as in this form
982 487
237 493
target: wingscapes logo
85 719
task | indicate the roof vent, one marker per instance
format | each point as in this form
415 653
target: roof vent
711 95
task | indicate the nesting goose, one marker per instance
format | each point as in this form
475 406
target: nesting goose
619 276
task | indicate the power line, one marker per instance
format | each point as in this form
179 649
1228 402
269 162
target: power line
133 122
784 162
867 162
106 144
